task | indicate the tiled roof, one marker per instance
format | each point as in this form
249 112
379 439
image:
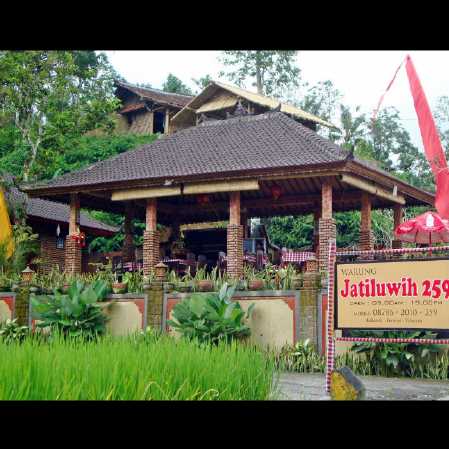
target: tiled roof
265 141
50 210
156 95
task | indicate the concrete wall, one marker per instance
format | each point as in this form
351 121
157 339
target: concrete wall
126 314
278 318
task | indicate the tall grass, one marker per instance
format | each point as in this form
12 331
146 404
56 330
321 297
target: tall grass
133 368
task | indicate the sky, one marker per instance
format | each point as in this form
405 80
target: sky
361 76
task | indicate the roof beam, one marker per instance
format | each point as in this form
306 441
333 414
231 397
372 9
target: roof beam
149 192
223 186
374 190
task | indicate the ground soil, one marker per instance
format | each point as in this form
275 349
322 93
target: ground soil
295 386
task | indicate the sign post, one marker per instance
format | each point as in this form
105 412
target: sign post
382 295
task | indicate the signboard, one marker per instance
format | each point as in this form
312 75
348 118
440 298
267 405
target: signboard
406 294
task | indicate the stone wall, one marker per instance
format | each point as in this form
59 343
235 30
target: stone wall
235 251
327 231
51 256
151 251
72 256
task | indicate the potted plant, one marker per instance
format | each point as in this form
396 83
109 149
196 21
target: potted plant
256 280
203 281
119 287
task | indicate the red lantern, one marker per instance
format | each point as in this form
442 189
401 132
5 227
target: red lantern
80 239
276 192
203 199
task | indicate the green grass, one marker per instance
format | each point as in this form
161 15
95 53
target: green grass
133 368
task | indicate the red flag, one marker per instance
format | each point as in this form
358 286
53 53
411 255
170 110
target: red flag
442 196
386 90
431 141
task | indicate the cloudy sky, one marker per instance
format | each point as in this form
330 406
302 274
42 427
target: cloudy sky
361 76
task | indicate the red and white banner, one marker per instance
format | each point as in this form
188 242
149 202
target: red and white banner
429 133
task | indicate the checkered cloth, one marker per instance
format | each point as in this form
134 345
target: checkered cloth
132 266
252 258
297 256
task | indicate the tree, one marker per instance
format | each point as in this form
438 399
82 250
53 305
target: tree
202 82
273 70
442 121
51 96
175 85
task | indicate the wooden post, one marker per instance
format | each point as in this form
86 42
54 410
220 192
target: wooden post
366 212
74 218
397 214
397 220
366 242
151 214
234 208
167 122
326 200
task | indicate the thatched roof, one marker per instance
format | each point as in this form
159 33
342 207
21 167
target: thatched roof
155 95
218 95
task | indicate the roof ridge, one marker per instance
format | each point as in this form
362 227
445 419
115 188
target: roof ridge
153 89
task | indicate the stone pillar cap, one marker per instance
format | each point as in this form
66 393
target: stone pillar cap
161 265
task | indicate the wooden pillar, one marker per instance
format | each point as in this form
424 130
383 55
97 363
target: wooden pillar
150 238
128 242
398 214
366 241
234 238
327 229
167 122
72 262
74 218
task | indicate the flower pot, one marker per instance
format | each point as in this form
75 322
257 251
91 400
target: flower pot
119 287
297 283
256 284
184 287
205 286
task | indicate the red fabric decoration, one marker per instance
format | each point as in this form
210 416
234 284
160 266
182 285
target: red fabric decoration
425 228
203 199
276 192
80 239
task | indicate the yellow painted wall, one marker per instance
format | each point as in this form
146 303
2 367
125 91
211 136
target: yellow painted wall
271 322
5 313
124 318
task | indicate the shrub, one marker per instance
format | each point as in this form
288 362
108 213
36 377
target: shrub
395 358
211 317
301 358
12 332
76 313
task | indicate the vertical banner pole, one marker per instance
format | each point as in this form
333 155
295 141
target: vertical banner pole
330 348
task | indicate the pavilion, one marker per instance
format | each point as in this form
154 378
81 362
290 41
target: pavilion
232 169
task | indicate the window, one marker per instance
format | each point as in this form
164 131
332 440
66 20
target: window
60 242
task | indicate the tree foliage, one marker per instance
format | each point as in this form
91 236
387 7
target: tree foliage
50 96
272 71
174 85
